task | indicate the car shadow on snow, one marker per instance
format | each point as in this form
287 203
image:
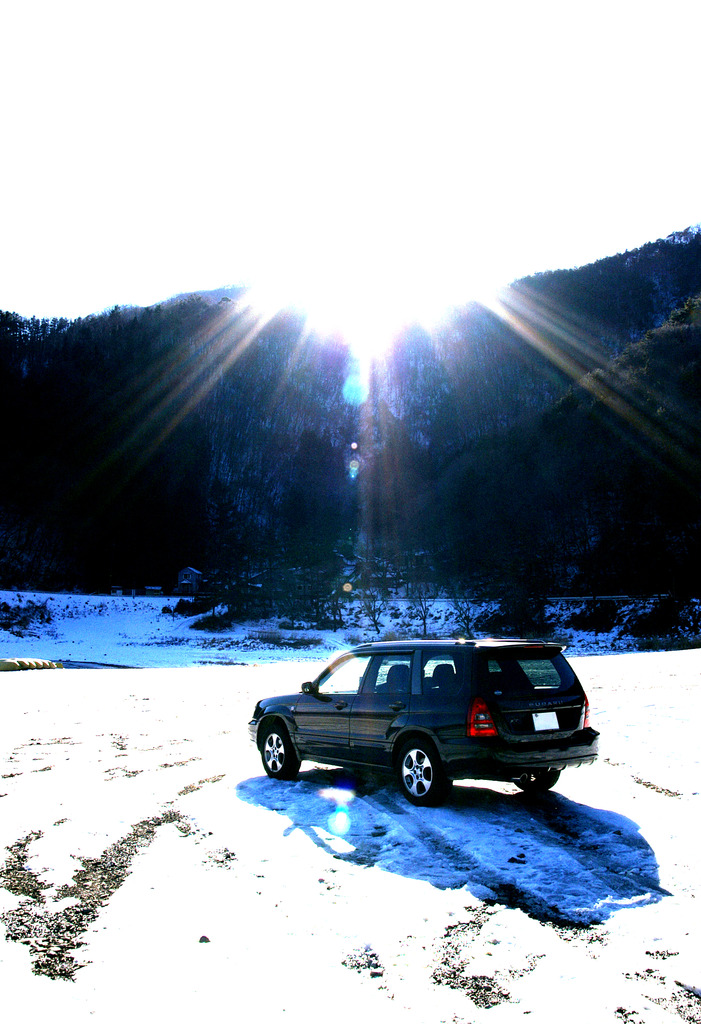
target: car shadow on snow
558 860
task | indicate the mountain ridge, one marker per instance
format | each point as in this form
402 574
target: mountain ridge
497 452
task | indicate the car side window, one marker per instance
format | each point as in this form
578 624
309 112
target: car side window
440 676
390 674
346 677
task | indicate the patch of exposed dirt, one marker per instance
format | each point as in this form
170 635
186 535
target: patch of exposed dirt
223 858
53 937
16 876
589 935
669 994
453 963
365 960
122 773
179 764
687 1004
657 789
194 786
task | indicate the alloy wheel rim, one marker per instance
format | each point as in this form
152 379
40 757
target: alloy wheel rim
274 752
417 772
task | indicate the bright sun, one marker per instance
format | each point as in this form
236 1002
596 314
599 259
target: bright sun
348 243
364 298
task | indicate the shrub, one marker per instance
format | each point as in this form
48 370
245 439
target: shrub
192 606
599 616
20 617
660 619
519 611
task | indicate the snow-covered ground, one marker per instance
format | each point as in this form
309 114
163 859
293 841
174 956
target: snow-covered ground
150 870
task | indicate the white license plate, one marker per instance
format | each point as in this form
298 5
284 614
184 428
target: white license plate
544 721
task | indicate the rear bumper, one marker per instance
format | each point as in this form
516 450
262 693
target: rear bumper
581 747
505 763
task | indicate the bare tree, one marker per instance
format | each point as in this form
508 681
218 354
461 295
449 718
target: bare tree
423 596
464 616
374 605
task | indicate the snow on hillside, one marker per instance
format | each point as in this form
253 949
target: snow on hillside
150 870
143 632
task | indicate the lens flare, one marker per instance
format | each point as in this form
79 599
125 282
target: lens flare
339 822
355 389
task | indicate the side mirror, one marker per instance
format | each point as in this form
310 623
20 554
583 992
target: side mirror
308 688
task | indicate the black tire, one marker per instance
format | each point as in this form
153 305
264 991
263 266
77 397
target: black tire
277 753
539 781
420 772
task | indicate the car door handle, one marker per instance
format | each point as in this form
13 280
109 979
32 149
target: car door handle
341 704
397 706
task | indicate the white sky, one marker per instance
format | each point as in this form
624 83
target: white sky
409 152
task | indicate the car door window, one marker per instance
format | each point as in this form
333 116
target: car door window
345 678
390 674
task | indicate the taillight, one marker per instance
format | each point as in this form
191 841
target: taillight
479 721
587 723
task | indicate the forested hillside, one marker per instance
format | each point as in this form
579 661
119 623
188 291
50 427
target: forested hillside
545 442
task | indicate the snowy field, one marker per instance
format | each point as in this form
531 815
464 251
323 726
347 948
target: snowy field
151 871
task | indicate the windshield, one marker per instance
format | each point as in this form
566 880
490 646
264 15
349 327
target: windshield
505 673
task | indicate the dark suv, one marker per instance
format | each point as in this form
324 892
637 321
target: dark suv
434 711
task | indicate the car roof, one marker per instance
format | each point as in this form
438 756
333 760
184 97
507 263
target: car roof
487 643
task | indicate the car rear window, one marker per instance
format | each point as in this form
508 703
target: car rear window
513 674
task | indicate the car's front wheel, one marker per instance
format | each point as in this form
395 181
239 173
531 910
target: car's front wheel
421 776
278 755
538 781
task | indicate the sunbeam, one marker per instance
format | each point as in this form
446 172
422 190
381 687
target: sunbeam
174 387
665 440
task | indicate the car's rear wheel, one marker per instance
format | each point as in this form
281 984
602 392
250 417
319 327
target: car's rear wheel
539 781
421 777
278 755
